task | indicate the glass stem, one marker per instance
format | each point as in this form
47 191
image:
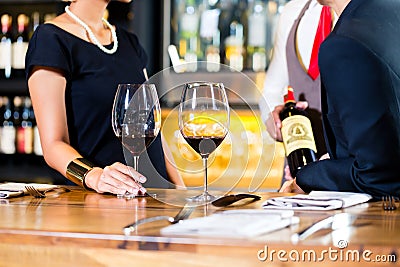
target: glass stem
136 163
205 175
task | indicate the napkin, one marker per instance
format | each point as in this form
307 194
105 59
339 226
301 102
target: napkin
8 190
233 224
317 200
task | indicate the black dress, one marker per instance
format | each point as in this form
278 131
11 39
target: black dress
92 77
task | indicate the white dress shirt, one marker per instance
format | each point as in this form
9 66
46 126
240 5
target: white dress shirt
277 78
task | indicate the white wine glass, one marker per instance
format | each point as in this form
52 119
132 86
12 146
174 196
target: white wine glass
204 122
136 118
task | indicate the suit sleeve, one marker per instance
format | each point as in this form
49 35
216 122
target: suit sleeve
361 123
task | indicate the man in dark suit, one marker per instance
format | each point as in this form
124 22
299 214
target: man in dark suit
360 73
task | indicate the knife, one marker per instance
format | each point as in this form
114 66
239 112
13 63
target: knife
334 222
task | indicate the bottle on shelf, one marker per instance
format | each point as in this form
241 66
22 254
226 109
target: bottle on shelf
297 135
35 18
20 46
210 39
188 35
2 109
17 123
25 129
257 29
5 47
8 132
37 147
235 42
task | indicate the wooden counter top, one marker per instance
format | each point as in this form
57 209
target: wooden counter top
81 228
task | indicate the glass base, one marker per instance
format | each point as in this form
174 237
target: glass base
128 195
203 198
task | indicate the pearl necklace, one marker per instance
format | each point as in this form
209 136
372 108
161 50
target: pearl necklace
92 37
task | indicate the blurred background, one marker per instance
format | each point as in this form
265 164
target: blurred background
236 33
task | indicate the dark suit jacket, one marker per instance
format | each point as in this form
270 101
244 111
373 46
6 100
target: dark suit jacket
360 71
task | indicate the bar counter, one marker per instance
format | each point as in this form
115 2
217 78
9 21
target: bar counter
81 228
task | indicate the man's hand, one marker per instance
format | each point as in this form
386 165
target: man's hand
291 187
274 123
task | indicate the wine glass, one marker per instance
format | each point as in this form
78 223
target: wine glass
204 122
136 118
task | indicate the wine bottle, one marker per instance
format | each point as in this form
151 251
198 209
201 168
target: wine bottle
20 46
188 34
210 39
8 132
37 146
256 43
25 129
5 47
297 135
17 122
35 17
234 43
2 110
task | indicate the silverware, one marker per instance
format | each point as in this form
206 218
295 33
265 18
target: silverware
334 222
230 199
183 214
34 192
389 203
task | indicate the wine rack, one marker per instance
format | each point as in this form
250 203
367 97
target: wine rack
32 167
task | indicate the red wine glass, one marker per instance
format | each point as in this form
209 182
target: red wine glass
204 122
136 117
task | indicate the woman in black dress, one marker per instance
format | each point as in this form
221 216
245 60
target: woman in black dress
74 64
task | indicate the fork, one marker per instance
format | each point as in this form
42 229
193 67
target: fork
34 192
183 214
388 203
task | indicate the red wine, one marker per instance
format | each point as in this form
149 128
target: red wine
297 135
137 144
204 145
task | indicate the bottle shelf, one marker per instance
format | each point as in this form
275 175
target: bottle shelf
13 87
244 89
31 168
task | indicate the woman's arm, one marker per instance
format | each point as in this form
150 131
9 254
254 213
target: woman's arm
47 90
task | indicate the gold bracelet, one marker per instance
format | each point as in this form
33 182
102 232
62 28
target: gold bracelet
77 171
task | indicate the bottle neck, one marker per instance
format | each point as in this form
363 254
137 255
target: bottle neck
289 98
21 28
5 28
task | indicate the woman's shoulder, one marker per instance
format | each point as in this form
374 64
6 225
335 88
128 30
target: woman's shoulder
129 35
59 26
132 39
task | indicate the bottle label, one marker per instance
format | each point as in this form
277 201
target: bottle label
259 61
257 30
297 133
5 54
189 25
37 147
28 140
18 54
25 140
8 140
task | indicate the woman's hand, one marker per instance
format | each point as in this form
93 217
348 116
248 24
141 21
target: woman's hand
117 179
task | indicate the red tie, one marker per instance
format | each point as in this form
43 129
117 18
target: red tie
324 28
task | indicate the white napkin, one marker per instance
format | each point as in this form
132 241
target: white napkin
317 200
233 224
8 190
